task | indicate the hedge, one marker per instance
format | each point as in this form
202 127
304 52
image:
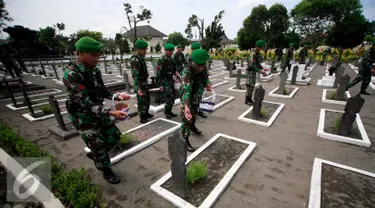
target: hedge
72 188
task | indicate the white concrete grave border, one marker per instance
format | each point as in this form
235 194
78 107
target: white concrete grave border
325 100
11 106
6 159
216 75
54 91
365 142
158 108
218 189
144 144
267 78
291 95
219 83
316 179
233 88
222 103
32 119
260 123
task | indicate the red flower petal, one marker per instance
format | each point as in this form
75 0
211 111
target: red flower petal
81 87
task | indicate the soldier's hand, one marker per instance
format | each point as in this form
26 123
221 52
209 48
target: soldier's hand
373 71
208 87
118 114
187 113
161 89
140 93
123 96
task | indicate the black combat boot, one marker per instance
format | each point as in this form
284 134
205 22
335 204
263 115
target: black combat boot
363 92
148 115
248 100
201 114
167 115
90 155
143 119
172 114
110 176
189 147
195 130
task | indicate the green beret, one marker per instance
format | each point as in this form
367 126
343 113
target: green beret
88 45
259 43
305 45
291 44
195 46
373 42
179 46
200 56
169 46
141 44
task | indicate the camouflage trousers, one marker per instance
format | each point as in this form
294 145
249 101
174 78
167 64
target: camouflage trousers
169 93
143 102
186 124
179 69
361 77
100 142
250 83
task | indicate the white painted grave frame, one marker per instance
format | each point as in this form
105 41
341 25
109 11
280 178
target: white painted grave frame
261 123
291 95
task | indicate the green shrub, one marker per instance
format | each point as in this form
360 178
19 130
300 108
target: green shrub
196 172
127 138
46 109
285 91
72 188
233 50
332 95
262 112
338 121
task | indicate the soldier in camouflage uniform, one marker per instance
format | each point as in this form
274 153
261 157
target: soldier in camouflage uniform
192 81
195 46
326 52
288 58
166 70
252 69
303 54
366 70
179 59
140 77
86 92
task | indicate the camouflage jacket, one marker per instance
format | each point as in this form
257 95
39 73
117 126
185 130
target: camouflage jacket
139 72
303 53
166 69
288 56
188 60
192 83
255 62
367 61
179 59
86 93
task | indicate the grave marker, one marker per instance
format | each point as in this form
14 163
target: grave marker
32 65
242 62
126 80
283 79
120 68
9 91
273 68
42 66
294 75
105 66
353 106
238 60
258 99
338 76
113 59
177 154
238 80
340 93
26 98
56 110
62 63
54 69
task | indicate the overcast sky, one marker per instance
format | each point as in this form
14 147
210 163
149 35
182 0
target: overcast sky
107 16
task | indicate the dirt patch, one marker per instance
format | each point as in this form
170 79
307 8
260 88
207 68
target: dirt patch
219 158
242 87
343 188
158 98
142 134
332 93
330 125
269 110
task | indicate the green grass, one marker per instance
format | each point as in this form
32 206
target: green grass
332 95
196 172
262 112
285 91
127 138
46 109
338 121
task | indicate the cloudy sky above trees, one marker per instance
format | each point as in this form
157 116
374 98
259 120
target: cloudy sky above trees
107 16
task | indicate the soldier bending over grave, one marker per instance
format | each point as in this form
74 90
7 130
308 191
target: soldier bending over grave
192 80
86 92
366 70
252 69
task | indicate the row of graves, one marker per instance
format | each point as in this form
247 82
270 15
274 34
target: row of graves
185 184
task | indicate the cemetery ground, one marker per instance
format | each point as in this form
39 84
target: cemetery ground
276 174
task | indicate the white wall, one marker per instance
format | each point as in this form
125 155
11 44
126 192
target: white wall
153 42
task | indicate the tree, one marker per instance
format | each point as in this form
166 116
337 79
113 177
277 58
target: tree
133 20
60 27
109 45
93 34
157 48
122 44
267 24
194 21
4 15
214 32
46 36
177 38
